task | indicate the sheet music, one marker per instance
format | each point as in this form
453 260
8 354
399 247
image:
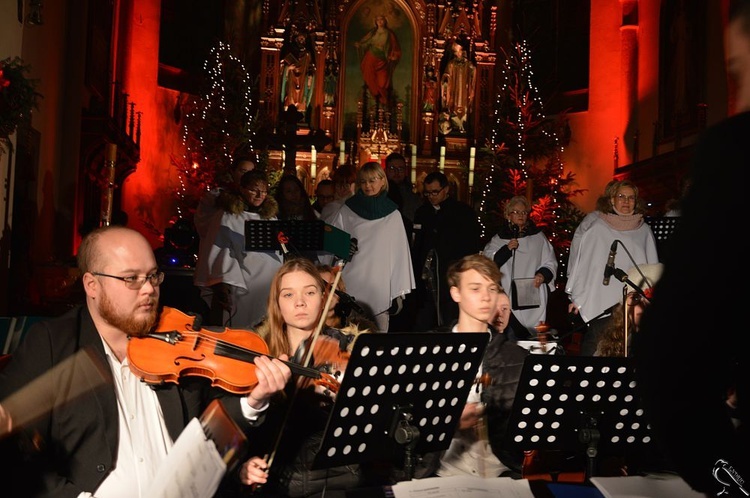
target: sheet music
463 487
193 468
663 486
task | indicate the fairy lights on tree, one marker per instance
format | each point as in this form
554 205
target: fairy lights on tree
215 126
526 153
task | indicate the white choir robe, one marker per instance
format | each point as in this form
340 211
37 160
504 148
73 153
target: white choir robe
589 252
248 272
381 270
534 252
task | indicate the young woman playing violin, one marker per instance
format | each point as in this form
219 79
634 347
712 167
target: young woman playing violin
296 420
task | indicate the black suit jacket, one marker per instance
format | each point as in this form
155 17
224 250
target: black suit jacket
73 447
453 232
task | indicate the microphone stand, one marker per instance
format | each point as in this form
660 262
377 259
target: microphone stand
623 277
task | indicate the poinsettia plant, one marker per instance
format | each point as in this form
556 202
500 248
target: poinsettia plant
18 96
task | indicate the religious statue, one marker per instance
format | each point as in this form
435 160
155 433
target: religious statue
330 81
457 86
430 90
298 77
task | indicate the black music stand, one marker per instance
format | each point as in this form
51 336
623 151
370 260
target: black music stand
577 403
662 228
302 236
263 235
402 391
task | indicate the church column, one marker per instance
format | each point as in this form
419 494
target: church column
628 78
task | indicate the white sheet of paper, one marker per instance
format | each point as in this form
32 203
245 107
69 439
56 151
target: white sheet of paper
463 487
193 468
663 486
527 294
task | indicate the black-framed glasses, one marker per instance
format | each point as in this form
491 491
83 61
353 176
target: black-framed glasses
433 193
135 282
623 197
519 213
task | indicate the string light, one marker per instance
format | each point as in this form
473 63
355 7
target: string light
518 88
213 126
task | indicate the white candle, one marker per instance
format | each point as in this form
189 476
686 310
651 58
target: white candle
283 156
313 160
342 152
442 158
413 163
472 156
471 178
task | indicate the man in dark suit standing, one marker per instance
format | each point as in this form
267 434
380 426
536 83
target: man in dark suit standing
692 367
445 230
104 431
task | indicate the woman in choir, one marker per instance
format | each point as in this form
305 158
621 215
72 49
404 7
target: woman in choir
616 231
238 278
521 250
381 270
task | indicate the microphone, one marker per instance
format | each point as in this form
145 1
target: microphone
610 268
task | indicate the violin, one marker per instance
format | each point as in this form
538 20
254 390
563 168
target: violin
177 348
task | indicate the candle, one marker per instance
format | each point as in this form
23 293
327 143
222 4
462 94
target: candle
313 160
472 156
471 179
283 156
442 158
413 164
342 152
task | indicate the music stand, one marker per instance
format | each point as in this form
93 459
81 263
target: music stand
662 228
402 391
263 235
315 235
574 403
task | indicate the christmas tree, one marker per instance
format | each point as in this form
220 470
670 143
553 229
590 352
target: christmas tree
525 158
216 125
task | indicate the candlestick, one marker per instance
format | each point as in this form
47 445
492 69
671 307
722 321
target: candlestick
413 164
442 158
472 156
313 160
342 152
110 154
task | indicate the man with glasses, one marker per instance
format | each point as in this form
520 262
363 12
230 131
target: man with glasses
445 230
102 431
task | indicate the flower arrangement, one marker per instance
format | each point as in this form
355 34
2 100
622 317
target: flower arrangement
18 95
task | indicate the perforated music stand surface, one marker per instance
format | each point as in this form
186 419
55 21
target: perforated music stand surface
427 374
559 396
262 235
662 227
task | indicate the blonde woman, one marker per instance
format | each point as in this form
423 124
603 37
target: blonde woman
381 271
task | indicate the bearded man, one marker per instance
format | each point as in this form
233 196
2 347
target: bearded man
100 431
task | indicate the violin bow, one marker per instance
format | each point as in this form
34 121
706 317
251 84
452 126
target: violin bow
336 278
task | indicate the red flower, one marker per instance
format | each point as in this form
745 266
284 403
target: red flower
4 82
